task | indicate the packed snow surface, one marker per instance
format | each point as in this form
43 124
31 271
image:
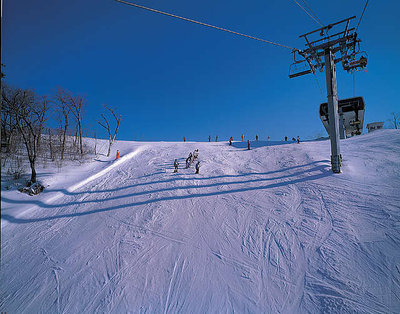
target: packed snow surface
270 229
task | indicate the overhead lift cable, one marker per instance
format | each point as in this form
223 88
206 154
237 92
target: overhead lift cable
309 9
316 20
362 14
204 24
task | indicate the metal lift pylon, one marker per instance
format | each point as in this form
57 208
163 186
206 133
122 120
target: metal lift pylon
320 54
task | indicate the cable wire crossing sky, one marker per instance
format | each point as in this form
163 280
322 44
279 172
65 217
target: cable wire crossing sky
170 79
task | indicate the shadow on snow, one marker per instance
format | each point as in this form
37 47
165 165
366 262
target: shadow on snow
292 178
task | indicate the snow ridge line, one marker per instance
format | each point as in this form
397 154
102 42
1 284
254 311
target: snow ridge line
84 182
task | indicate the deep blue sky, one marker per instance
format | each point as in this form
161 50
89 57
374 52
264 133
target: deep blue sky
169 78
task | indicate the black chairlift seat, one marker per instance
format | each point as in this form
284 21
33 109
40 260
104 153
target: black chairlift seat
300 73
299 68
353 114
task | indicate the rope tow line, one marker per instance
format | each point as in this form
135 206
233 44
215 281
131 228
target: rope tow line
204 24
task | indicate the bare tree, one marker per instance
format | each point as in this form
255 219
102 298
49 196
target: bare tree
106 125
77 104
395 119
64 110
8 125
43 105
29 115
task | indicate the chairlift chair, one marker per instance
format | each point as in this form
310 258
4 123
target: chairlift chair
300 67
358 62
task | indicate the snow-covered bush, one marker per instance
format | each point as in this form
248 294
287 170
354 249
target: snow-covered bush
33 189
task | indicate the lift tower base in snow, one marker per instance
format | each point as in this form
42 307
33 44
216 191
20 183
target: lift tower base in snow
321 53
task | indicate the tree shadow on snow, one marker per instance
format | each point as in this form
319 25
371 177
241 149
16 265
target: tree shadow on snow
303 175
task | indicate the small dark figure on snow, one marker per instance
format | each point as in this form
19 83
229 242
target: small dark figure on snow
298 139
189 160
230 140
195 154
293 139
176 164
209 138
248 144
197 167
285 138
256 137
216 138
184 139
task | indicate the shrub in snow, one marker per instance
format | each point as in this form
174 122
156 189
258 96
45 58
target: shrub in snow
32 189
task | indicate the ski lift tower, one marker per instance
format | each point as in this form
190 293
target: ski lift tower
325 51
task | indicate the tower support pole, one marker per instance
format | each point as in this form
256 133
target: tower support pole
333 116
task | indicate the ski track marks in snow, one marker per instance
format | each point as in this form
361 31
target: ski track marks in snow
267 230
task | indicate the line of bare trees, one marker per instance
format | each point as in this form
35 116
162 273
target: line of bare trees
394 120
45 129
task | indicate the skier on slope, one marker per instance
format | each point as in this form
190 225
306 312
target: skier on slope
256 137
285 138
230 140
176 164
197 167
209 138
248 144
195 154
242 137
189 160
298 139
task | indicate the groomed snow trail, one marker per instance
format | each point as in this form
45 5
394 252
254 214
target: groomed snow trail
267 230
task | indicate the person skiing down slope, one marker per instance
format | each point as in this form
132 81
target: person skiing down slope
230 140
176 164
197 167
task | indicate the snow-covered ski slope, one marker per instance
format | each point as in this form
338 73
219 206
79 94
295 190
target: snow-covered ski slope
267 230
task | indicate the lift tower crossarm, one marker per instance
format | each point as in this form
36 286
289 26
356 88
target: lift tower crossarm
327 26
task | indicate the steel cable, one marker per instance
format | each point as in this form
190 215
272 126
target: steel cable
309 8
204 24
362 14
308 13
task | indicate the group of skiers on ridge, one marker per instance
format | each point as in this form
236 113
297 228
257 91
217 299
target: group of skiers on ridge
189 160
193 156
231 139
269 138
